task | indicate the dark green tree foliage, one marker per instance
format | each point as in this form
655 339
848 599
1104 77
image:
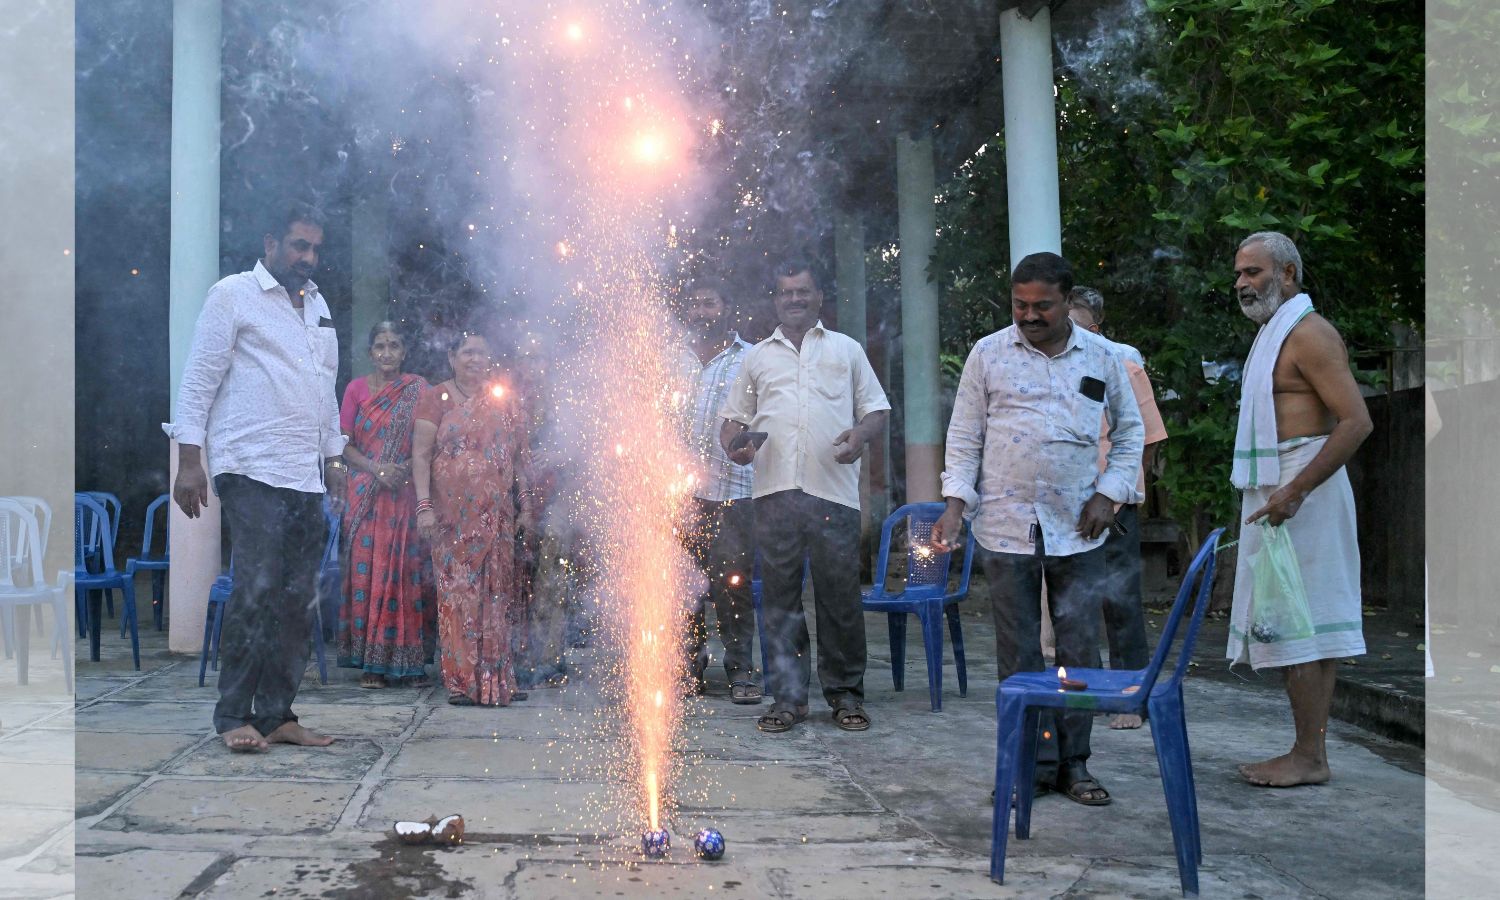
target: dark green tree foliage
1183 127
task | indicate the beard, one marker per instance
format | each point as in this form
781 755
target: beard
1261 307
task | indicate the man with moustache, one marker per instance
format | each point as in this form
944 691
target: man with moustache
258 391
1301 418
1022 462
721 527
812 392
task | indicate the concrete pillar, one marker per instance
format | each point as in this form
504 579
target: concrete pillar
196 38
1030 133
849 263
916 187
372 277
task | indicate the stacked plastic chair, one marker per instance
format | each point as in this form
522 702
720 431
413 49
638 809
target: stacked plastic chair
156 565
87 515
21 548
925 596
1021 698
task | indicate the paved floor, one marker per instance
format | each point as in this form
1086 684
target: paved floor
163 811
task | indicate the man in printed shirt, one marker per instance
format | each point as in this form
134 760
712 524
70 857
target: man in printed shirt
258 390
1124 615
812 391
721 533
1022 461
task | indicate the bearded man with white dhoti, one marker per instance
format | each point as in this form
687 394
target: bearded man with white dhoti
1301 418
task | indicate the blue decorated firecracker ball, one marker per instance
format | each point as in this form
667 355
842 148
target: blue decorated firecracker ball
709 843
655 842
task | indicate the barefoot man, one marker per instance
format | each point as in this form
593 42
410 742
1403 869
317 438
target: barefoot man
1301 418
258 390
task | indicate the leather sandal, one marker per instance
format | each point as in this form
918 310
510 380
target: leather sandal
781 718
843 713
1077 789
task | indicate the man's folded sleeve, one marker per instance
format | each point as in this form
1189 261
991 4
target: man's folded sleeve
868 395
208 360
965 442
741 403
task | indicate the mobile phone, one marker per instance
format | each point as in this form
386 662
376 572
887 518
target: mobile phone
1119 528
740 440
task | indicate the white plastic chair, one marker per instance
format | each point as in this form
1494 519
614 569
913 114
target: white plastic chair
43 514
21 548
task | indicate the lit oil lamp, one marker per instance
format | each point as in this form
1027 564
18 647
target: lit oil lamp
1068 683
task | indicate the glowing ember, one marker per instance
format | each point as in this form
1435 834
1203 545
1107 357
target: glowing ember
497 391
734 579
715 126
562 249
575 32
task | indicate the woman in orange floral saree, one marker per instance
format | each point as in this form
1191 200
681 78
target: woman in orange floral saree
470 465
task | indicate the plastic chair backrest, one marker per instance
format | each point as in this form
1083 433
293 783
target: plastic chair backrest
150 527
87 514
1204 564
42 512
20 539
926 568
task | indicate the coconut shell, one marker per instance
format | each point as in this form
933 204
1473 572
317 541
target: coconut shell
450 830
413 832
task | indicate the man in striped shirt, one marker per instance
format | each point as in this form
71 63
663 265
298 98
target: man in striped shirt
721 527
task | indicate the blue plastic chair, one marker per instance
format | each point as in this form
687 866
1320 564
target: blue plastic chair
330 589
107 528
1021 697
925 595
86 584
213 623
157 565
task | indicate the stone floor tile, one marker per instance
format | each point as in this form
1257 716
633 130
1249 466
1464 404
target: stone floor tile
122 752
150 874
93 792
343 760
183 806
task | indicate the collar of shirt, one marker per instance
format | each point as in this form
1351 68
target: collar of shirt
268 283
1074 339
778 336
734 341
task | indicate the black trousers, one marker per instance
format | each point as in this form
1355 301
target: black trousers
1124 617
1075 588
277 536
791 528
721 539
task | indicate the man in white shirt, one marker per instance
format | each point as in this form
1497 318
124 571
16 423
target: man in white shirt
812 392
1022 461
258 391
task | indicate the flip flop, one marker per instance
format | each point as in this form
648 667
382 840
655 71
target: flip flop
745 698
843 712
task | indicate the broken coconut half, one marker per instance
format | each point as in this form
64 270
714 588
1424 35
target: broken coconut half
449 830
413 832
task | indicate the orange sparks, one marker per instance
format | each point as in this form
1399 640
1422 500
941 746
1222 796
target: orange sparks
497 391
562 249
655 803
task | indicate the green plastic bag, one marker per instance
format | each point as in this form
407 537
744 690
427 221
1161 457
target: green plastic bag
1279 610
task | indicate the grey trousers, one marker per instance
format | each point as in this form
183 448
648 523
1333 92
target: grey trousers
1075 586
722 542
1124 617
277 535
791 528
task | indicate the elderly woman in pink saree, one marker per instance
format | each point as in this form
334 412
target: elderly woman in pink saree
470 463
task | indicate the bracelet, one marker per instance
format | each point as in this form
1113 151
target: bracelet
424 506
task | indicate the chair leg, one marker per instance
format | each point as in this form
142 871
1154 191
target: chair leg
208 635
109 603
158 596
1026 771
1011 715
931 617
23 640
318 645
59 635
96 620
128 612
898 649
956 631
7 625
81 611
1168 729
218 633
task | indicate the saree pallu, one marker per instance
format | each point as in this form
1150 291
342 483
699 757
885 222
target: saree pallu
382 623
479 462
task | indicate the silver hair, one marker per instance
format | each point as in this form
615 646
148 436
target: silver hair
1281 248
1090 299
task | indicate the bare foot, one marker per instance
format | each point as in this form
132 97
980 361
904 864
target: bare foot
294 733
1286 771
1125 721
244 739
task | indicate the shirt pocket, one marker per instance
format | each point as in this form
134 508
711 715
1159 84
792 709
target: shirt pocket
1082 419
831 379
325 348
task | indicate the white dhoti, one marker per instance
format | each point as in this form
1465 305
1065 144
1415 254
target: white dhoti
1323 532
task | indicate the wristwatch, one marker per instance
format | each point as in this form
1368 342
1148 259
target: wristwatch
339 464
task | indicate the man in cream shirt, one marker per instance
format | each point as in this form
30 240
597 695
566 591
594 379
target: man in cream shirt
814 395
